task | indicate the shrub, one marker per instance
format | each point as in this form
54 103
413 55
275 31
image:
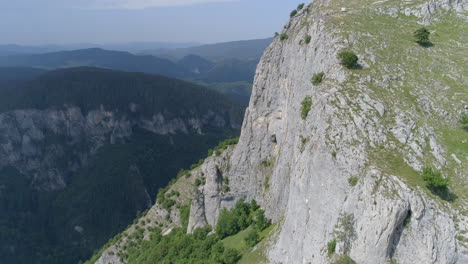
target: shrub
231 256
284 36
306 105
300 6
222 146
276 34
266 163
198 182
434 180
331 246
252 238
422 36
353 181
231 222
348 59
293 13
464 121
168 203
344 231
317 78
261 222
307 39
345 259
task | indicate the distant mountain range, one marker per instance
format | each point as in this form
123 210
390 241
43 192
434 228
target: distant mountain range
226 67
13 49
241 50
95 57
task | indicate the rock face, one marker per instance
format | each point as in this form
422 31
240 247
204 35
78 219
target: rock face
350 170
34 141
302 177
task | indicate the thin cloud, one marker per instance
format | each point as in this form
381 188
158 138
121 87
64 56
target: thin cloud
142 4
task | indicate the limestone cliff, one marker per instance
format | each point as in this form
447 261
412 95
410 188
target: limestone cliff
350 169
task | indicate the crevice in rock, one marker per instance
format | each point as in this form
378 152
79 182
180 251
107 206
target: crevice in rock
398 232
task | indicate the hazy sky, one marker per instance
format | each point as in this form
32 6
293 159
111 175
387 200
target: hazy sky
32 22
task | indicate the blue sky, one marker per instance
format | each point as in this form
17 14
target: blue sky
37 22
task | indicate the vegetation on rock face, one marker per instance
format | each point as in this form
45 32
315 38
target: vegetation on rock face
345 259
293 13
306 105
307 39
345 232
200 247
348 59
353 181
284 36
300 6
331 246
317 78
239 218
222 146
422 36
437 183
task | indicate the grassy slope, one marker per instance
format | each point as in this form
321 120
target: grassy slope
439 73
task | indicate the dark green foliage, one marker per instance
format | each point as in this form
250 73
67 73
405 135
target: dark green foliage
331 246
348 59
284 36
345 259
179 247
198 182
434 179
238 219
407 218
266 163
222 146
317 78
252 238
184 216
353 181
306 105
464 121
254 205
293 13
201 247
307 39
261 222
422 36
334 154
226 189
163 200
345 232
300 6
437 184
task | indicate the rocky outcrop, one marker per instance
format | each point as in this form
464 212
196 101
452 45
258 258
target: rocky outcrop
303 176
350 169
37 142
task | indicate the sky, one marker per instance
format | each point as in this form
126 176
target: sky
40 22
